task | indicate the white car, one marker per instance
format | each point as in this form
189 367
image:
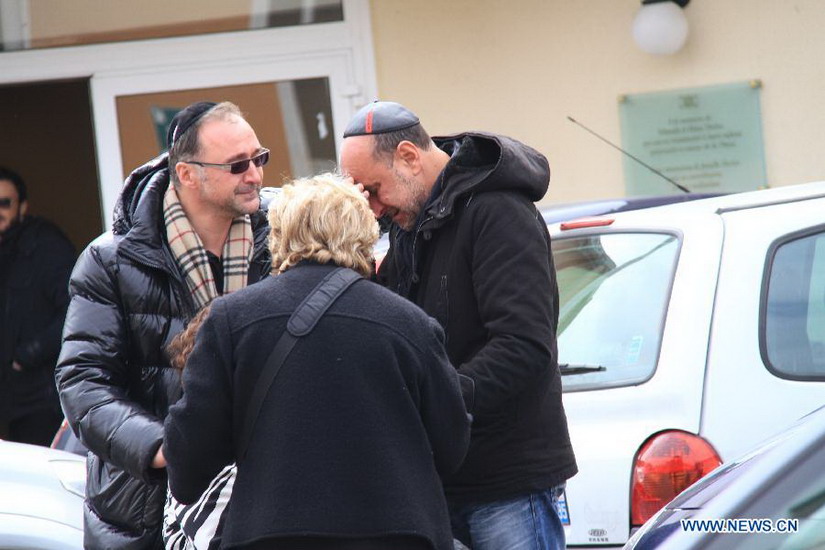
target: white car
687 334
41 497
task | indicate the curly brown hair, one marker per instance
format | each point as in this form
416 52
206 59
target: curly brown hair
182 344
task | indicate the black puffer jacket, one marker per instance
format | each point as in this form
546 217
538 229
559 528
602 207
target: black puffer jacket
128 300
480 263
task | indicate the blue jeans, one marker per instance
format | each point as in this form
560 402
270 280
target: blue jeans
529 522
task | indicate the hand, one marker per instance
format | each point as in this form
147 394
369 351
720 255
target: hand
359 186
159 461
17 366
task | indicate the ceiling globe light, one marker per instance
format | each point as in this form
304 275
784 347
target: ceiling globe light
660 27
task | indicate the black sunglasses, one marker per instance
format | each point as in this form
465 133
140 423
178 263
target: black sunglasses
239 166
5 202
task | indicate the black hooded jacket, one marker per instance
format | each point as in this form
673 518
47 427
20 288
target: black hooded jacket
36 259
480 263
128 300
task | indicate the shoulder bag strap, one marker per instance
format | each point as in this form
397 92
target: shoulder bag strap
300 323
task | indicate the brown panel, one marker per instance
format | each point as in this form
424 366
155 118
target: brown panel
56 23
139 33
259 103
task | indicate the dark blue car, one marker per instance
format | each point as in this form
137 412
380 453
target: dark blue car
771 498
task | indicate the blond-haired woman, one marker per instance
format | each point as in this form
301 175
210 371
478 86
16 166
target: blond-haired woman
362 418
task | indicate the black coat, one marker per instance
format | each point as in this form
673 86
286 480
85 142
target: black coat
128 300
483 268
36 259
363 416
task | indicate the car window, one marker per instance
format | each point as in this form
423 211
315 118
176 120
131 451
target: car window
613 293
793 339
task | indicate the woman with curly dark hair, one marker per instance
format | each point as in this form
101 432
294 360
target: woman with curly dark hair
186 526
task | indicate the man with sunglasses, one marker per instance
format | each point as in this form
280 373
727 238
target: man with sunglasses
36 259
187 228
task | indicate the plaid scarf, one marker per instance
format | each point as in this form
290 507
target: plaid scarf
190 255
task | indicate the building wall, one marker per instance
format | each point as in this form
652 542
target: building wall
522 67
57 23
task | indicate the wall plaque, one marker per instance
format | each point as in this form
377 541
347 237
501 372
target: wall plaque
707 139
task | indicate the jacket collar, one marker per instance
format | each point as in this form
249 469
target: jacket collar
144 240
463 178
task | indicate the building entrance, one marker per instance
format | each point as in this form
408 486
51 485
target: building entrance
47 137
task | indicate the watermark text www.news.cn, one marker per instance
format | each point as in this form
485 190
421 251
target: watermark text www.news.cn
740 525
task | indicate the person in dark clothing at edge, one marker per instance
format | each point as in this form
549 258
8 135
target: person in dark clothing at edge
171 250
364 414
468 245
36 260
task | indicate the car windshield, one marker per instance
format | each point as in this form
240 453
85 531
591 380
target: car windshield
613 292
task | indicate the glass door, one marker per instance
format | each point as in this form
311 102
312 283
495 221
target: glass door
293 119
298 109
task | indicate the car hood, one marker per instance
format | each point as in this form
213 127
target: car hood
30 482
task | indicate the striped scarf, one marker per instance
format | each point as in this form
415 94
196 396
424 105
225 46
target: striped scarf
190 255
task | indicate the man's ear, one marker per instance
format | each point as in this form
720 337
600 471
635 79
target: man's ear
409 154
24 206
186 174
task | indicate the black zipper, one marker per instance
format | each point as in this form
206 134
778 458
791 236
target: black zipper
415 241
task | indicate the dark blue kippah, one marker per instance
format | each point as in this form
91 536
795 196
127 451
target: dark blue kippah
380 117
184 120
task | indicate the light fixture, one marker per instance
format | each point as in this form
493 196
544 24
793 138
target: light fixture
660 27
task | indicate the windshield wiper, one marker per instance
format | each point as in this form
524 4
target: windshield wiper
568 369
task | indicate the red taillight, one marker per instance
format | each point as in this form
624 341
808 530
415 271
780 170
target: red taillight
667 464
586 222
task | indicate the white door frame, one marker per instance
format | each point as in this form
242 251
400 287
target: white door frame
341 52
105 88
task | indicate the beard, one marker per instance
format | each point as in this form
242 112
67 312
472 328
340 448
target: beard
244 199
9 221
406 214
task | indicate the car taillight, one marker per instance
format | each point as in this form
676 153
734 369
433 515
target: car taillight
667 464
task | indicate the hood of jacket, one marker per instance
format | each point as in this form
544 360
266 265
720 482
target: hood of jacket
138 215
482 162
130 209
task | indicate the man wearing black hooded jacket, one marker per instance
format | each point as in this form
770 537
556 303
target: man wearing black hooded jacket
187 228
468 245
36 259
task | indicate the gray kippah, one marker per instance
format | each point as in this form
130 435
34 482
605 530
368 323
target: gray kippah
380 117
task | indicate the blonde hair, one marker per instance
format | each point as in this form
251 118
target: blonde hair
323 219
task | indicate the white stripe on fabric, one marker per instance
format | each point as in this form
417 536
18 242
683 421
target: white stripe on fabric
199 524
